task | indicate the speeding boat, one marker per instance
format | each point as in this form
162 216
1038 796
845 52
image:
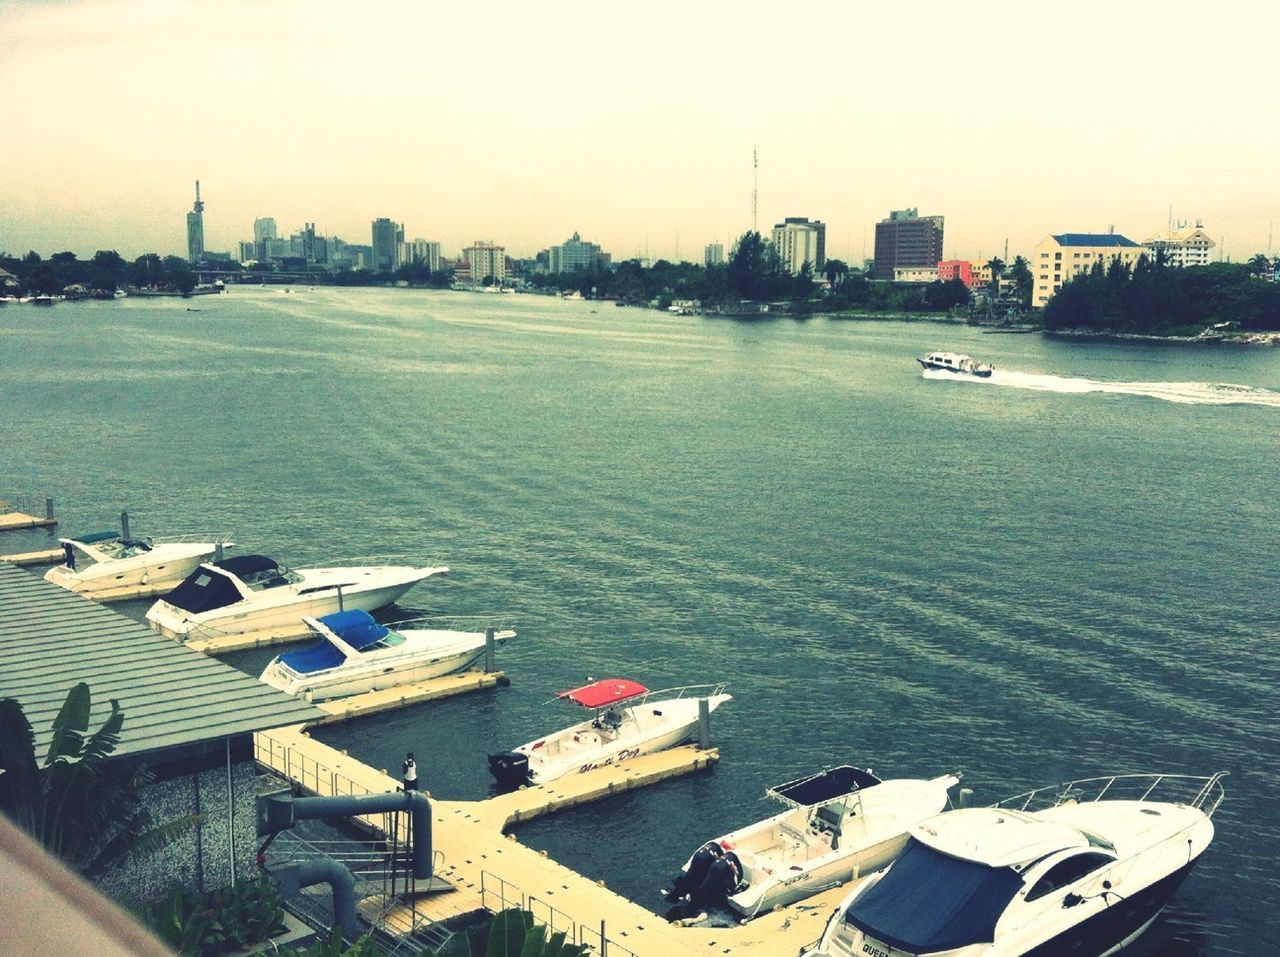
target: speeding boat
253 593
1079 868
841 823
629 720
106 564
356 654
957 363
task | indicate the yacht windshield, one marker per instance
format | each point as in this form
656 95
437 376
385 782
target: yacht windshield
964 901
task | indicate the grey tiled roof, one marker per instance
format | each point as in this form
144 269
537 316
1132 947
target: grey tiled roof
50 639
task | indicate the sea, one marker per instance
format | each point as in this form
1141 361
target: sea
1064 571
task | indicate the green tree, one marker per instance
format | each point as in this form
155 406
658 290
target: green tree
1260 265
1023 282
996 265
82 808
510 933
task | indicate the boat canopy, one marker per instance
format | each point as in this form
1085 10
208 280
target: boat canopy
600 694
93 539
824 786
356 627
965 900
209 587
243 566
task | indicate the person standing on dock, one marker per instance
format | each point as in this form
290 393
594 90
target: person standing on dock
410 773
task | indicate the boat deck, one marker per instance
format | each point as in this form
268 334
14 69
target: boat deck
489 869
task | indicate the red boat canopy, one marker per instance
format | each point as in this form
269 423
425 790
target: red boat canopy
608 691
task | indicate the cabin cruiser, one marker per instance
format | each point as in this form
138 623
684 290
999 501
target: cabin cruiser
356 654
1079 868
957 363
841 823
253 593
629 720
106 564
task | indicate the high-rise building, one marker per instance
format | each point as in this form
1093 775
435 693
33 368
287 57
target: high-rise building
800 240
574 254
1060 257
426 254
248 251
1182 245
907 239
486 261
387 237
713 254
195 229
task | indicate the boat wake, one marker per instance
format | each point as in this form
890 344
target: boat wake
1186 393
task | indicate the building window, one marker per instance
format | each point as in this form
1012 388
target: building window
1057 255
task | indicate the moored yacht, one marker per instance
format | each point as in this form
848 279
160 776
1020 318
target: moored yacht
957 363
106 564
1080 868
357 654
629 720
840 823
253 593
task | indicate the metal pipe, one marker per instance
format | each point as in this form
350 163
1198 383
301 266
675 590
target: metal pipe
231 819
124 524
489 667
292 878
704 723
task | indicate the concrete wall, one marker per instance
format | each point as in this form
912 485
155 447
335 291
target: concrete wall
200 858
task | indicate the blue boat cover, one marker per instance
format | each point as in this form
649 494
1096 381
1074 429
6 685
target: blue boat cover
97 537
357 628
964 901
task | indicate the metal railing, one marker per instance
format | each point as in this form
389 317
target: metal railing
1204 793
497 895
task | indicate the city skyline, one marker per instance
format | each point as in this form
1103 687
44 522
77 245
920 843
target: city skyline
1014 127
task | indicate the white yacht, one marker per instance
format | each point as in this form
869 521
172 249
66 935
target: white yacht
106 565
957 363
629 720
253 593
841 823
357 654
1079 868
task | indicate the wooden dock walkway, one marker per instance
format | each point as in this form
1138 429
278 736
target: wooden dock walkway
50 556
402 696
215 645
10 521
489 869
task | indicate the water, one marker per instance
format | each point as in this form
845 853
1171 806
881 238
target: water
1065 571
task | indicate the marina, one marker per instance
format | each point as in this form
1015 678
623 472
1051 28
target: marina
683 499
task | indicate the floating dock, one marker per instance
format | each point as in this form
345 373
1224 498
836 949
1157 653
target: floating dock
10 521
50 556
490 870
215 645
402 696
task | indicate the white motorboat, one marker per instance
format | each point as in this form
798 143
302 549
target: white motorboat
253 593
957 363
357 654
106 564
629 720
1080 868
841 823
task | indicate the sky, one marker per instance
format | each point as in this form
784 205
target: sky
634 124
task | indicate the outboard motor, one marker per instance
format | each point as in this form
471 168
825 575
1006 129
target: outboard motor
510 768
723 877
688 880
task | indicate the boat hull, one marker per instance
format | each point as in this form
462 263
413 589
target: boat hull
105 578
980 373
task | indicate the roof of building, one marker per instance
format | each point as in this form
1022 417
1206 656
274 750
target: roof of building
171 695
1093 239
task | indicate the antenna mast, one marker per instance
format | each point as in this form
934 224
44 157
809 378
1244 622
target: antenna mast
755 187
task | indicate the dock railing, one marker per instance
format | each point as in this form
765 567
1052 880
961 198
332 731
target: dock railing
498 895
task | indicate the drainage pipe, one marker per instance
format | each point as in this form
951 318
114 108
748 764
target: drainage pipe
292 878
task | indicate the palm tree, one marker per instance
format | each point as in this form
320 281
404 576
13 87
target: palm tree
83 809
1260 265
836 270
996 265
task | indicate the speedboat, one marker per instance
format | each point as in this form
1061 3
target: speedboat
629 720
106 564
841 823
1079 868
957 363
253 593
356 654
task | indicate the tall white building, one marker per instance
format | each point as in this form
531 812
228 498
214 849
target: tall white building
713 254
486 260
1060 257
574 254
1182 245
799 241
425 253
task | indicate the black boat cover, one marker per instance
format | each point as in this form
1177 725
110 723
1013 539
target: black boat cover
964 899
824 786
244 565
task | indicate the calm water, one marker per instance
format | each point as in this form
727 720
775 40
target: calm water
1067 571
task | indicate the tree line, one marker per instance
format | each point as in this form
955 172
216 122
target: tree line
106 272
1154 298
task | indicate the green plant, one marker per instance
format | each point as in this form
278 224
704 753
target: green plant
205 924
83 808
335 946
510 933
185 921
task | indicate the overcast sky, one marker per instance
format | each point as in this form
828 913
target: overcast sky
633 123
